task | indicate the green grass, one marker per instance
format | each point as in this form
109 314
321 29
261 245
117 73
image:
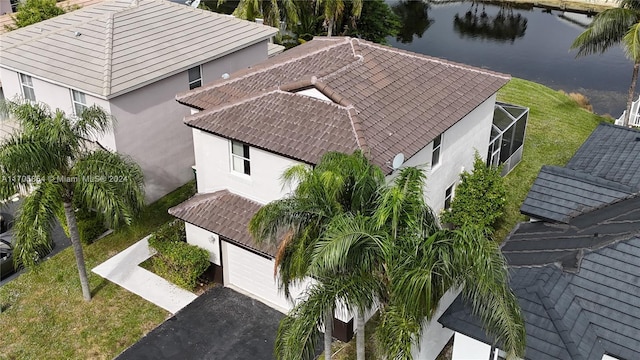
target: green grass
45 317
557 127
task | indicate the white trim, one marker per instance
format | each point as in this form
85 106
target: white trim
27 83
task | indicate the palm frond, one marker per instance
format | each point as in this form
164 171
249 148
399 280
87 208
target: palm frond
110 183
34 222
607 29
631 43
92 123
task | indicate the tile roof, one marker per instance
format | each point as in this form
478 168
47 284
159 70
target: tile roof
401 100
584 315
559 194
605 169
260 121
541 243
225 214
119 45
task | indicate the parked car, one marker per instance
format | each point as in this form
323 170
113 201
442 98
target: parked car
6 258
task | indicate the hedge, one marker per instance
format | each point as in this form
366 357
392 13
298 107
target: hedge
178 261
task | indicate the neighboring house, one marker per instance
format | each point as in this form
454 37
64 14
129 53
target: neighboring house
330 94
576 274
131 58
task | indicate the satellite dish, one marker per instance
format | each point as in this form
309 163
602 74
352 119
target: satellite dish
398 160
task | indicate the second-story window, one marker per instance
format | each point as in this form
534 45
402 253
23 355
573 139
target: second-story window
27 87
195 77
79 102
435 154
240 161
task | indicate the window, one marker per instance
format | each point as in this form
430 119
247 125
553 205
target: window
240 157
79 102
27 87
448 197
435 155
195 77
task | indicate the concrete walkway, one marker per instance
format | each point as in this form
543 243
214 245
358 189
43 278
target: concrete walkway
123 270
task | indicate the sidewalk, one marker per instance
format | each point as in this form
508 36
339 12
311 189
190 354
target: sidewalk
123 270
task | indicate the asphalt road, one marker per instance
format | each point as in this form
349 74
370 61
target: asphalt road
60 240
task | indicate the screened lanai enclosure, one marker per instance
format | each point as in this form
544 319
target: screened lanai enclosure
507 136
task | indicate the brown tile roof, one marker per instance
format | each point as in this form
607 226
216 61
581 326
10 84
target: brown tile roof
399 101
225 214
261 121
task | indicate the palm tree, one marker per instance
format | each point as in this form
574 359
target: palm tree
333 10
50 158
338 184
268 10
619 25
402 245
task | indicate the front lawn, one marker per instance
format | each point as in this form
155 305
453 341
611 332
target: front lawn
45 317
557 127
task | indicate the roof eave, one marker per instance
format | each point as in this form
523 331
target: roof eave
221 55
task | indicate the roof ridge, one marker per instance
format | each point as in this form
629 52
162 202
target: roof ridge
431 59
108 54
589 178
221 107
258 71
356 125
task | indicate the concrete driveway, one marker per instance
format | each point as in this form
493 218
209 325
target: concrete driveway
220 324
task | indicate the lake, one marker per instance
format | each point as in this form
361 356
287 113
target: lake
530 43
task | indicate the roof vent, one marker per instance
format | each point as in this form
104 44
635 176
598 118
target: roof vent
77 33
225 76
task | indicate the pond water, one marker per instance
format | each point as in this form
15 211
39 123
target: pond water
530 43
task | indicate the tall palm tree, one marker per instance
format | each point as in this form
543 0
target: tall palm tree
333 9
338 184
613 26
50 158
269 10
417 263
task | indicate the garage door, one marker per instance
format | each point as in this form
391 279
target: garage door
253 274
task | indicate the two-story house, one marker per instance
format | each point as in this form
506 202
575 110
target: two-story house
131 57
330 94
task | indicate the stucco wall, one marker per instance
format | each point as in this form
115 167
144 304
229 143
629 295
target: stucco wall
466 348
456 154
55 95
213 167
151 128
205 239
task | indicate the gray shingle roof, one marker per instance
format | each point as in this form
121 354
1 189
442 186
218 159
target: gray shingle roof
577 285
124 44
225 214
559 194
605 169
401 100
574 316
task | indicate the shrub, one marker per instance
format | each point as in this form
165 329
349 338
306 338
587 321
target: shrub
90 225
479 199
178 261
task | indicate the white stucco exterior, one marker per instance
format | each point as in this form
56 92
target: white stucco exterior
214 172
466 348
456 154
206 240
149 122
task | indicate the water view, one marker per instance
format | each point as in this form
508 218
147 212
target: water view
530 43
